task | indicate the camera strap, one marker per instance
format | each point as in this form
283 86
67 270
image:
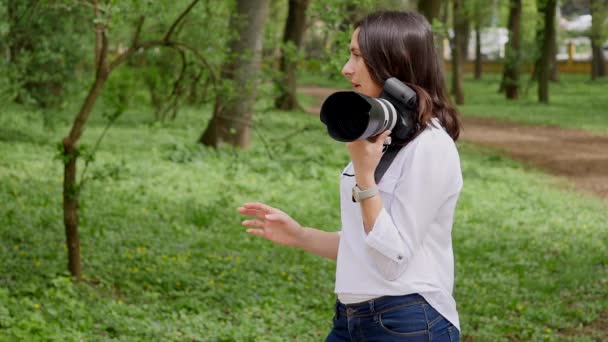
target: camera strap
386 161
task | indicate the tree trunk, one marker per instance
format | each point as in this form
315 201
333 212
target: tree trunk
461 30
430 9
292 39
598 64
599 11
478 57
232 115
70 186
554 73
547 9
513 58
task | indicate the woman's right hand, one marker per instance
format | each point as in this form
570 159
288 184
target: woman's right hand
272 224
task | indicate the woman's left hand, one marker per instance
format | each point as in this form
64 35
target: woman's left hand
366 156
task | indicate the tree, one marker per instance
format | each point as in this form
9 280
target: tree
599 12
292 40
459 49
546 9
478 57
510 79
480 13
104 65
232 114
430 9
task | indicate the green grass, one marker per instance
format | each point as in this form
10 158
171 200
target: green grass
165 256
575 102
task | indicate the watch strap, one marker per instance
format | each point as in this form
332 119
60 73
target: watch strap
360 195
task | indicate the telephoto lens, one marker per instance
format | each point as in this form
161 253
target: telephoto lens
351 116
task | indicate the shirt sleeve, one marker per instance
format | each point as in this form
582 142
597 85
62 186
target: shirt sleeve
429 178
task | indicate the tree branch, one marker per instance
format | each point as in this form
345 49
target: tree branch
173 97
181 17
140 24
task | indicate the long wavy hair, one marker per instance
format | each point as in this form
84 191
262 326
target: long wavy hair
400 44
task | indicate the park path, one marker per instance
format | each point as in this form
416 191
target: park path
577 155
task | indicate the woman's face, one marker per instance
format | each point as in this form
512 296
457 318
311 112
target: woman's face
356 70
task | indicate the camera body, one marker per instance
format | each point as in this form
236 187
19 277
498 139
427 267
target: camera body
351 116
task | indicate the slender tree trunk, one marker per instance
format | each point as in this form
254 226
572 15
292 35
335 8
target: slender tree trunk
478 57
513 59
70 153
232 115
547 9
598 64
459 51
294 31
554 73
70 186
599 11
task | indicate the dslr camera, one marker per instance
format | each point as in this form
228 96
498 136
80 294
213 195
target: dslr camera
351 116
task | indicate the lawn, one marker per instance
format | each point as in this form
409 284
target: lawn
165 256
575 102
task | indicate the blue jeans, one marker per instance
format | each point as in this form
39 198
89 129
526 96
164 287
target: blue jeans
391 318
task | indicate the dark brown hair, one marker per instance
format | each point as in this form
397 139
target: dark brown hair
400 44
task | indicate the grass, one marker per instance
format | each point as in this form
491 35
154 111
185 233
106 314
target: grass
165 256
575 102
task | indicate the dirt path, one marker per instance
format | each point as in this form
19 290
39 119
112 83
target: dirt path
579 156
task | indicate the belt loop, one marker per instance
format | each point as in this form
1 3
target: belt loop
371 305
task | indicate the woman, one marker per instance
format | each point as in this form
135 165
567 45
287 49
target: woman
395 265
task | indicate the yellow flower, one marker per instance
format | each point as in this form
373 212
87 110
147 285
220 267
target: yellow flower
36 306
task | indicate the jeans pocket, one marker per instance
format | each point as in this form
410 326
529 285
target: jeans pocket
404 321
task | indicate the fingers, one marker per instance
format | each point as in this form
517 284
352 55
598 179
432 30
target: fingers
253 223
257 232
273 217
259 206
259 214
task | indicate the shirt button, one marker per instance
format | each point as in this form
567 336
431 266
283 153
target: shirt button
400 257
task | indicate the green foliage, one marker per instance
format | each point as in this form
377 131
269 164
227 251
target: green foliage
42 44
332 24
165 256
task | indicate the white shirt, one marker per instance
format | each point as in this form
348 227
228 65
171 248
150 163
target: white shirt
409 249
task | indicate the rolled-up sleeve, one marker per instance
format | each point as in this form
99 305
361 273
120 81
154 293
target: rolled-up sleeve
429 178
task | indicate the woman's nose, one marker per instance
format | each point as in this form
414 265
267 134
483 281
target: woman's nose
347 69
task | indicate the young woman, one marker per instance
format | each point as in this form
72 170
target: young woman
395 264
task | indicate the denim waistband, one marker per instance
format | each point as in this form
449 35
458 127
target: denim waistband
378 305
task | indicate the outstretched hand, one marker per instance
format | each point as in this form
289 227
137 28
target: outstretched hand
272 224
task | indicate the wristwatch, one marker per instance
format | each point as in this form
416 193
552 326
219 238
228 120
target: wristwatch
360 195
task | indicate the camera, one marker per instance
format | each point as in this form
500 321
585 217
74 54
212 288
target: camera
351 116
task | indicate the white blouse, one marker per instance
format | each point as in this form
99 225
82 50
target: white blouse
409 249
